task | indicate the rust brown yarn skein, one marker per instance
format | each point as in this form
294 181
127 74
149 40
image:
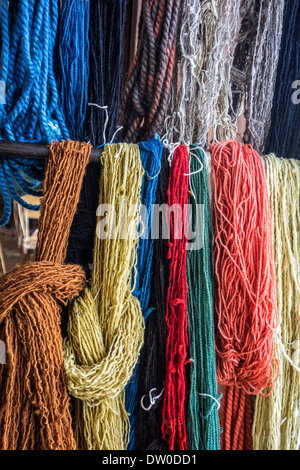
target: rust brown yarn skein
34 403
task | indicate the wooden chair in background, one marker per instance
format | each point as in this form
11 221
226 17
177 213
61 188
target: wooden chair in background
26 237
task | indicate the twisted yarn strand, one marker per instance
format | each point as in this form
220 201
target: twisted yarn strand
105 330
147 89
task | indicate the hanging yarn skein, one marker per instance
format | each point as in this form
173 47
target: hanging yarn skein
73 45
107 18
34 403
72 77
253 83
150 154
245 301
200 88
276 418
147 89
283 138
175 395
152 369
106 25
29 105
203 427
105 330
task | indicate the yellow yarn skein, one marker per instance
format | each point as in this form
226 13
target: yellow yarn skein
105 329
276 424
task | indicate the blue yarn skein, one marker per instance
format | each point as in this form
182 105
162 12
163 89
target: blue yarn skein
74 64
151 154
29 104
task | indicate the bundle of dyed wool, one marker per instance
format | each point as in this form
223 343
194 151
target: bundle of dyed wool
107 19
276 418
106 25
245 302
203 428
147 89
150 153
34 405
283 138
29 109
174 419
253 83
200 92
152 369
105 322
73 45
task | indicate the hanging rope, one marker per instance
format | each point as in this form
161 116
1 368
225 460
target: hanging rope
152 370
203 428
150 154
105 323
34 404
73 77
258 43
148 84
283 138
29 108
245 300
200 88
276 419
174 422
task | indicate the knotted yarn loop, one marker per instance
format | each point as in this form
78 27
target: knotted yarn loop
101 374
58 281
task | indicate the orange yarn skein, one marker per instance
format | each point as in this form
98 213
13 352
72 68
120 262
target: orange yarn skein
245 298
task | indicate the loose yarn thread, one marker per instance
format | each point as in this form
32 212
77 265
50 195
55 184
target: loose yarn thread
276 418
105 330
175 396
245 301
34 405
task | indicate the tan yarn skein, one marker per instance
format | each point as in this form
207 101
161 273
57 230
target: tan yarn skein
276 424
105 330
34 402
